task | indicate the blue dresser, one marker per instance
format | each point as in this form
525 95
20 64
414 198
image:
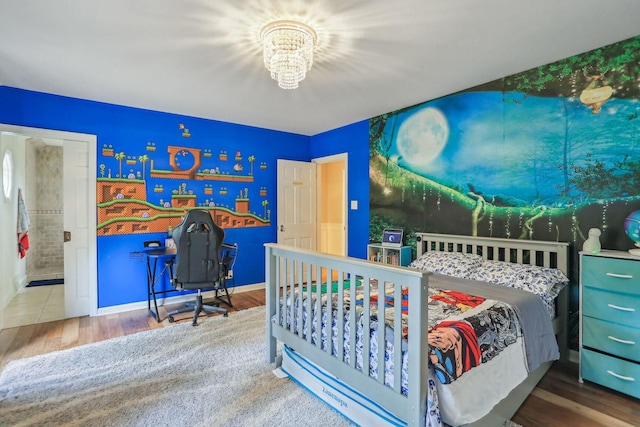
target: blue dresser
610 320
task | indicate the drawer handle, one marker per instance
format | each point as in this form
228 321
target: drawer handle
621 341
620 276
620 376
621 308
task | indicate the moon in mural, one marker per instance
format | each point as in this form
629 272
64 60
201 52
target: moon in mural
423 136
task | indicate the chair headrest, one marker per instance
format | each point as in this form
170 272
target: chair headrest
197 219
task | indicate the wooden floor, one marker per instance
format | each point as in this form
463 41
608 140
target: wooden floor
559 400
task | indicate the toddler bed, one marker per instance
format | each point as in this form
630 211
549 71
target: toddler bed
363 299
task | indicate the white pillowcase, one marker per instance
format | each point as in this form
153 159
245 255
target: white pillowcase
539 280
454 264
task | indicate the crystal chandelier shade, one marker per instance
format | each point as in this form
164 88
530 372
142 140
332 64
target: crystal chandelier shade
288 51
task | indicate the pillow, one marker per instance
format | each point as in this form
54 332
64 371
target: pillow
454 264
539 280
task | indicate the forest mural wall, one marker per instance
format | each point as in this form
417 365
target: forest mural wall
546 154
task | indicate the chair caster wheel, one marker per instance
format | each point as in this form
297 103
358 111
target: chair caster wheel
171 319
225 315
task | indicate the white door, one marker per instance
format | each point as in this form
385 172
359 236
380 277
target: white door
297 204
77 229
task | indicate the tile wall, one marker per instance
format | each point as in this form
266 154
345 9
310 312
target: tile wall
45 259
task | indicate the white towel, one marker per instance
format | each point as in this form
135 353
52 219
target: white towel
23 226
23 215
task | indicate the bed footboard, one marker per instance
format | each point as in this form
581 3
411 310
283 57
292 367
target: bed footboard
298 281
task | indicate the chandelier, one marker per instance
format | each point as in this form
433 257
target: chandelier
288 51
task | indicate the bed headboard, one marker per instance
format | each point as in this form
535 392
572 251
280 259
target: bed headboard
535 252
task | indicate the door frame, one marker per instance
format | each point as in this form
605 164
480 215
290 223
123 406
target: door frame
91 244
330 159
297 178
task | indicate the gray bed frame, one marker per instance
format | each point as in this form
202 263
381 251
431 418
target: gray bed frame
289 270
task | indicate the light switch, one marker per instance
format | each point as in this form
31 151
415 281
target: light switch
354 205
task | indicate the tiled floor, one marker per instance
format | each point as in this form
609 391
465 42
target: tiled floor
38 304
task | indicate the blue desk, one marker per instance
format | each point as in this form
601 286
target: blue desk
160 262
166 257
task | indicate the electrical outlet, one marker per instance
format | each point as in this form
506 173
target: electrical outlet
230 274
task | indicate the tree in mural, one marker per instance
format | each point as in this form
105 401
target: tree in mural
380 141
594 178
591 78
564 167
573 180
564 78
265 203
143 159
533 162
120 156
251 159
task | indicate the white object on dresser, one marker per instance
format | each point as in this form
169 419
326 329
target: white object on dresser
592 244
610 320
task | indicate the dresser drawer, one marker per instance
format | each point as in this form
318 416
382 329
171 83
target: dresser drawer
611 338
611 273
611 306
611 372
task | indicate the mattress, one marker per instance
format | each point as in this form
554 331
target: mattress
481 346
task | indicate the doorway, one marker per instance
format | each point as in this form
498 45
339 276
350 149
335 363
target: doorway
78 170
44 188
42 300
332 204
312 204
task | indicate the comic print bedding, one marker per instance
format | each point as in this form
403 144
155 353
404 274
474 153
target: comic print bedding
476 340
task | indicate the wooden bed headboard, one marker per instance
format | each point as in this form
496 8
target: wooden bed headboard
534 252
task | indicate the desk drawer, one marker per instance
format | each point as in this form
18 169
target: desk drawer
611 372
613 274
612 338
611 306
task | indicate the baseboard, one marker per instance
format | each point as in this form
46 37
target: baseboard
18 282
247 288
574 356
115 309
8 296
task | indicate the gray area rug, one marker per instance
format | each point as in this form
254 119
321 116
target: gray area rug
213 374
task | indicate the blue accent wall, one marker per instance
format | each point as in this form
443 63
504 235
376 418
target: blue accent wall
121 277
354 140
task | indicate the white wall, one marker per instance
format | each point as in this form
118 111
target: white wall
12 268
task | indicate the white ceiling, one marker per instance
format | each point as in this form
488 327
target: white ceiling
202 57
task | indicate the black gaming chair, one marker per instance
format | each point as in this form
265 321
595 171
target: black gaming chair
198 242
